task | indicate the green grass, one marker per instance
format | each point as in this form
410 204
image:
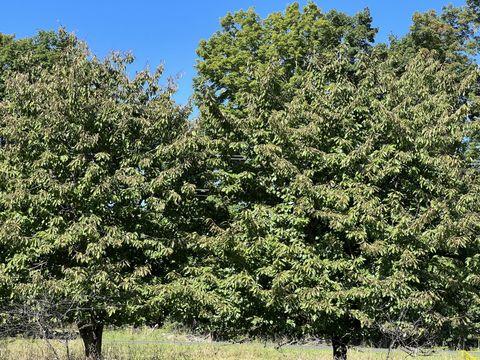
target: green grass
117 346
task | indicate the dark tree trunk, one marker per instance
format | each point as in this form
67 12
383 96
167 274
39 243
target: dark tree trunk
340 347
91 335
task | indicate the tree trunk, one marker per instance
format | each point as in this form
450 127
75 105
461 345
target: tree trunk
91 335
339 345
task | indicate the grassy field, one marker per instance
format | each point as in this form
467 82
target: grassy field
148 344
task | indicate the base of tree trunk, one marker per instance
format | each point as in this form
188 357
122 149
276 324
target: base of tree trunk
91 335
340 347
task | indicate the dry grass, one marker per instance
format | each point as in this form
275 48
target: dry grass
164 344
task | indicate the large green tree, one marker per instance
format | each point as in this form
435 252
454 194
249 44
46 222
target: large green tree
95 200
341 194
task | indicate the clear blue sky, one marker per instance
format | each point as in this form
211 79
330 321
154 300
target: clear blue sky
168 31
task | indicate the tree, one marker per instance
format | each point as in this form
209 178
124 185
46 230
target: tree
95 201
341 188
230 70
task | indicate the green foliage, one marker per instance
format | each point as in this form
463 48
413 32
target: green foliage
247 44
39 51
95 199
354 203
328 188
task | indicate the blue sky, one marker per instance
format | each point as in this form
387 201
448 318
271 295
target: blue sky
169 31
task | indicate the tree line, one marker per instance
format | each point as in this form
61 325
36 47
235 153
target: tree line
328 187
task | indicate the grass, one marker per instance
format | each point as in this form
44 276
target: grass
167 344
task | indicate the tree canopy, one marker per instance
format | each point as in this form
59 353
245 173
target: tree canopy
329 186
95 199
345 202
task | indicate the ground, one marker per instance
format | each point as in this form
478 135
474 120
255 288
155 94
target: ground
153 344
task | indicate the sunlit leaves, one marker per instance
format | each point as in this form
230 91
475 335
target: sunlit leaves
353 171
94 178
